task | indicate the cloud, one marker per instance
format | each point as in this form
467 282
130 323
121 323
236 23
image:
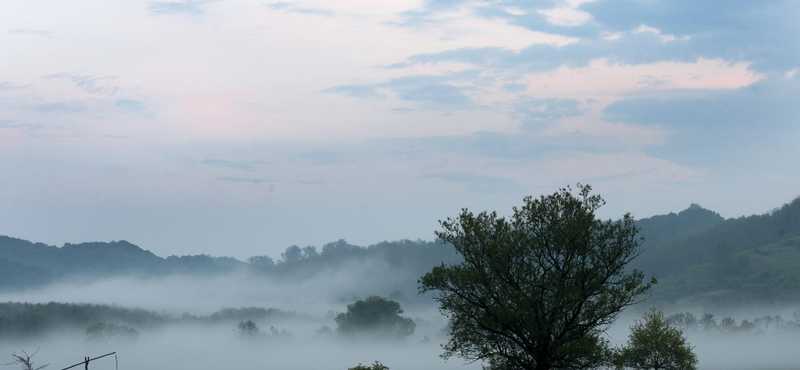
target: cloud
253 180
10 86
763 32
8 124
294 8
356 91
94 85
177 7
62 107
21 31
532 110
135 107
237 165
325 157
475 183
436 91
309 182
718 127
633 31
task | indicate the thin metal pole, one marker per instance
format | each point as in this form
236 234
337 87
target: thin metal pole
86 361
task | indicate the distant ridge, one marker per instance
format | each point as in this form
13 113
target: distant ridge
695 253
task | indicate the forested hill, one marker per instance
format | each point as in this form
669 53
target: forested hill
679 248
24 264
666 228
729 236
750 259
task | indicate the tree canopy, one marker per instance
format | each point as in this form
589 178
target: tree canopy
375 317
657 345
536 291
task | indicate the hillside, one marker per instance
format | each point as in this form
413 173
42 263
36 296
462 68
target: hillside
767 275
695 253
666 228
24 264
738 234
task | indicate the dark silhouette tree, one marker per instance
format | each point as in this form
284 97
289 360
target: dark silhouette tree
375 317
657 345
536 291
26 361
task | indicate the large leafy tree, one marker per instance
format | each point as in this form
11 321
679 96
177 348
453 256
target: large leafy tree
655 344
536 291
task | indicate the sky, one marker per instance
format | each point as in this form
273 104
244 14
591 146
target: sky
239 128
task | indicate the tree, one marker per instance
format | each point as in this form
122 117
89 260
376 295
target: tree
708 323
26 361
375 366
375 317
292 254
655 344
103 332
248 329
261 261
538 290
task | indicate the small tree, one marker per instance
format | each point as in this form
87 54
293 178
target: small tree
26 361
537 291
375 317
375 366
248 329
655 344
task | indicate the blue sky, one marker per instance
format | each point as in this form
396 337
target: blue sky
242 127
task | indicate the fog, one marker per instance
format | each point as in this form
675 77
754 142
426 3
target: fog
312 295
310 304
220 348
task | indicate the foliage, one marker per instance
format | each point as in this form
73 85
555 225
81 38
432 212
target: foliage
538 290
375 366
103 332
655 344
375 317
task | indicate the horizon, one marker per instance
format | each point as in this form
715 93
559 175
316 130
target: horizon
276 256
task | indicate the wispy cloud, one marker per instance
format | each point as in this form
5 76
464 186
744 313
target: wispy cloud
10 86
252 180
177 7
62 107
294 8
475 183
446 90
135 107
309 182
21 31
8 124
237 165
103 85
